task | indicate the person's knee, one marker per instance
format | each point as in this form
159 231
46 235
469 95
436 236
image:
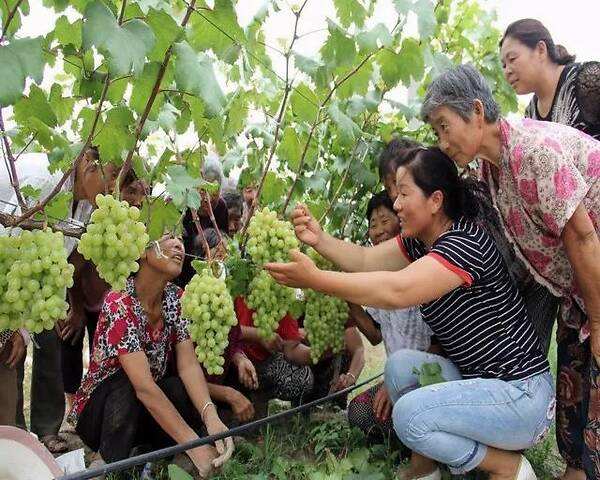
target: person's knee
409 419
398 369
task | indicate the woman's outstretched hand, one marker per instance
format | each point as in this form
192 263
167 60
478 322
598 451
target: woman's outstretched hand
306 226
299 272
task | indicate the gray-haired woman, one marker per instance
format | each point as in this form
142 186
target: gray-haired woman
544 179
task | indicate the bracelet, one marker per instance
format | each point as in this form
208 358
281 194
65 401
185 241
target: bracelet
351 375
206 405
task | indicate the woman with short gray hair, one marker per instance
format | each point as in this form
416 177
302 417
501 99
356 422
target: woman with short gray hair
544 179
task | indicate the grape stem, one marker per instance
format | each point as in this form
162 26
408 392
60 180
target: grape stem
196 221
278 122
212 216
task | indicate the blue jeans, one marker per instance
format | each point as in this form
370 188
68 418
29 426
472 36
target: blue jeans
454 422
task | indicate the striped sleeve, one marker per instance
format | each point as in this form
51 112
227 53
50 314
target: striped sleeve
412 248
460 253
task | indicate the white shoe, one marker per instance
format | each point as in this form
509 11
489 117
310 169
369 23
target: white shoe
525 471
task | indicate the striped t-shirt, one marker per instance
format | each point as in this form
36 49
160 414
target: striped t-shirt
482 325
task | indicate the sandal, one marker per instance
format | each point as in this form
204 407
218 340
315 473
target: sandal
54 444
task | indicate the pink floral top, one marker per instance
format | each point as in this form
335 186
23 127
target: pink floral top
546 171
123 328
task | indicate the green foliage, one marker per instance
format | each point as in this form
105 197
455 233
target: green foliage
20 59
429 374
214 79
125 46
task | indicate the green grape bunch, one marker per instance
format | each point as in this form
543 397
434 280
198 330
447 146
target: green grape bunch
270 302
269 239
325 323
325 316
207 305
35 274
114 240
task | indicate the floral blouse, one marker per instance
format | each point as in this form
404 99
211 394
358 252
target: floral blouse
123 328
546 171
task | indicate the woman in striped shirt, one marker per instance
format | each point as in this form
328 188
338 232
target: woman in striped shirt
498 395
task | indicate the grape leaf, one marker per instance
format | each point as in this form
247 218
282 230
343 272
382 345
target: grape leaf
350 11
348 130
429 374
237 113
305 104
289 149
125 47
207 30
159 217
177 473
412 64
20 59
273 188
59 207
142 88
114 135
35 105
62 106
339 50
166 32
425 17
371 40
358 83
68 33
195 74
30 192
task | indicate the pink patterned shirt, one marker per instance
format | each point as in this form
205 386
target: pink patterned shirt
546 171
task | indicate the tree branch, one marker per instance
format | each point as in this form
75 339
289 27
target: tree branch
9 18
140 125
57 188
11 167
10 221
288 87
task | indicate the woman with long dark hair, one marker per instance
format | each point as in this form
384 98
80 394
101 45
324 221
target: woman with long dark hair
564 91
498 395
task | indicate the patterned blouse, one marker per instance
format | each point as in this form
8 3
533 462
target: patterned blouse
123 328
546 171
577 99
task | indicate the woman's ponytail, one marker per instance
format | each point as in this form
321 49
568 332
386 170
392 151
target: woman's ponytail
562 56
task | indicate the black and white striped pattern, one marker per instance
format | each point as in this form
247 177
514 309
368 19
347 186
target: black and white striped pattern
482 325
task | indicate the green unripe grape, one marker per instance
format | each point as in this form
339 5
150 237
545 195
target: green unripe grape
269 239
207 305
114 240
33 274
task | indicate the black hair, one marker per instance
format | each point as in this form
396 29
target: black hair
433 170
381 199
234 201
530 32
391 152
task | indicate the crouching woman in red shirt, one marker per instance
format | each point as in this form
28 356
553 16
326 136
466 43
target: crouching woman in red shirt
128 396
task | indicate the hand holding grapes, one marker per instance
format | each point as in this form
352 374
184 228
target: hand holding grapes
306 227
300 272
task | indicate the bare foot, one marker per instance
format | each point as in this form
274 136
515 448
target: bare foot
419 467
573 474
